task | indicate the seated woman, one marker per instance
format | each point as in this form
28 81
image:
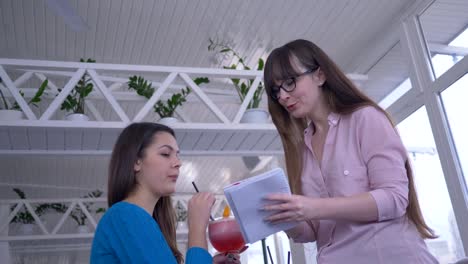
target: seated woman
140 225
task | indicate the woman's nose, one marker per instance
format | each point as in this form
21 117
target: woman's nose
283 95
177 162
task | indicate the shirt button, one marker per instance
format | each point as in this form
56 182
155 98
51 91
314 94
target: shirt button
346 172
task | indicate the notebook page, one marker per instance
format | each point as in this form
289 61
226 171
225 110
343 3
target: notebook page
246 198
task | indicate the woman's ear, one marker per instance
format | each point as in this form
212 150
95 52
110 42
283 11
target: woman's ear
321 77
137 166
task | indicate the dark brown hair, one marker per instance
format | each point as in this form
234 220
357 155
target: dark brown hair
341 95
131 145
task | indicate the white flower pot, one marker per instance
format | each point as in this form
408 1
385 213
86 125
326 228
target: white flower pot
168 120
77 117
10 115
82 229
26 229
256 116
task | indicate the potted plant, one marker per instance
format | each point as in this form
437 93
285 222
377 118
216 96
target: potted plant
13 111
24 217
166 109
75 101
253 114
78 215
181 215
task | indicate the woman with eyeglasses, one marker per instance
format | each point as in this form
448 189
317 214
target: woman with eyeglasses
140 225
352 184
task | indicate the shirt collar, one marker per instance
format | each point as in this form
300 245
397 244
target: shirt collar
333 120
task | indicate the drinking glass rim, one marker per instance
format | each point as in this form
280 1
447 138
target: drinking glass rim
220 219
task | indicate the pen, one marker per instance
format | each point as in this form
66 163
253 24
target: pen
196 189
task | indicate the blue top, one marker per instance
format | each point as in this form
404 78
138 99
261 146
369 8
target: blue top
128 234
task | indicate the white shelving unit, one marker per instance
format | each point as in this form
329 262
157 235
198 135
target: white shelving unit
45 132
41 134
58 233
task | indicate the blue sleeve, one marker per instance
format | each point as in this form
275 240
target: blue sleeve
198 255
130 236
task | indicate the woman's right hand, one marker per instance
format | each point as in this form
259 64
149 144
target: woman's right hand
199 210
226 259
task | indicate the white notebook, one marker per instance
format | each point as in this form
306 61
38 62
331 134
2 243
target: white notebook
246 198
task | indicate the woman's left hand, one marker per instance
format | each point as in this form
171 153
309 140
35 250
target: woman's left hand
291 208
229 258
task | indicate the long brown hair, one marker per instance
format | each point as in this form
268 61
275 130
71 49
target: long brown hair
341 95
131 145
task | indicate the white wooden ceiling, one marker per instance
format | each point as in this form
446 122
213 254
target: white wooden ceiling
361 36
176 33
98 140
53 176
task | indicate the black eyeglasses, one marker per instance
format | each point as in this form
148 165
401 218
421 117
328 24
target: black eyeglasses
288 85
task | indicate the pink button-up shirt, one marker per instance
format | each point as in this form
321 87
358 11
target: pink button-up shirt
362 153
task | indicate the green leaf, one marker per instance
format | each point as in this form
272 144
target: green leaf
261 64
75 100
163 109
241 88
41 89
244 88
235 81
88 90
141 86
20 193
201 80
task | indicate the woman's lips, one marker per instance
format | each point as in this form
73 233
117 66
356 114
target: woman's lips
291 106
173 177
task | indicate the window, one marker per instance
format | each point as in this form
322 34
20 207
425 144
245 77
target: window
454 100
440 22
398 92
430 183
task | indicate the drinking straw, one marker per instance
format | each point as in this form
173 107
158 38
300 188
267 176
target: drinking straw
196 189
269 253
